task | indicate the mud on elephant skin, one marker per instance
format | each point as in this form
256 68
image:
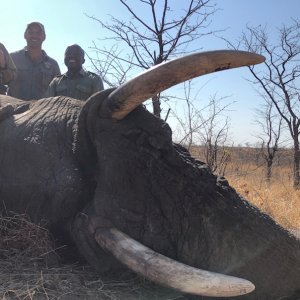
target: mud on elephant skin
107 175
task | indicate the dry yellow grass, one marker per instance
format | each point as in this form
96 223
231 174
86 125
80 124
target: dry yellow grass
245 171
277 198
30 270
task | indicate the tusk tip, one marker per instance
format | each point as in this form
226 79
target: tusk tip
246 287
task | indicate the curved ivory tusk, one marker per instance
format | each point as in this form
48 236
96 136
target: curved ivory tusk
158 78
168 272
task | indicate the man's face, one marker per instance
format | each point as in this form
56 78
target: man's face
34 36
74 58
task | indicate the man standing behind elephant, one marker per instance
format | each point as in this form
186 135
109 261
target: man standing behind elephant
35 69
7 69
76 82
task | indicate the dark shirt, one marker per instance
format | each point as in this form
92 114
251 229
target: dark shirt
32 78
81 86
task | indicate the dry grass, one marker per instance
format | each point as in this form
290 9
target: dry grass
277 198
30 270
73 282
245 171
20 238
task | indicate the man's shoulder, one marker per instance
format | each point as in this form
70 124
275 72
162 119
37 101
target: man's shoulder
95 79
19 58
20 52
51 60
91 74
48 58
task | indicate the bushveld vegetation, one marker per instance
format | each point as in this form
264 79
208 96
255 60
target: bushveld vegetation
245 170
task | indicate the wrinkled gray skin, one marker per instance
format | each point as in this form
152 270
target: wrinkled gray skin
60 161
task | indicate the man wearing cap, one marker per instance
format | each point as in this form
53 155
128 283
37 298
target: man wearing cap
7 69
76 82
35 69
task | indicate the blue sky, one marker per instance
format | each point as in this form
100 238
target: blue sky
66 22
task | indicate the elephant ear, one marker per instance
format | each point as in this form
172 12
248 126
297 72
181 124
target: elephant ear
83 146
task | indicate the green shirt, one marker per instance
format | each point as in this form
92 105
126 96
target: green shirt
81 86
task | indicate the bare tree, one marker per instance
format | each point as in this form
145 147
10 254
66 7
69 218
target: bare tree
110 67
214 138
279 79
155 33
207 126
190 120
271 125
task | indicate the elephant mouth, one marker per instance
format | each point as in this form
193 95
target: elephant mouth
166 271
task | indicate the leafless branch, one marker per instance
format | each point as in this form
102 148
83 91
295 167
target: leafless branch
153 34
279 79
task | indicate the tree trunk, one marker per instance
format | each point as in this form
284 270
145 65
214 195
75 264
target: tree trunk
269 170
156 105
296 164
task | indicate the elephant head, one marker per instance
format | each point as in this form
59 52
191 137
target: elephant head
134 195
155 192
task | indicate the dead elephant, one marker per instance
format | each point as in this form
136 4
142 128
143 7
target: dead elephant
107 175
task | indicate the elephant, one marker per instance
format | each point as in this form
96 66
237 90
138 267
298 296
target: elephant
106 176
